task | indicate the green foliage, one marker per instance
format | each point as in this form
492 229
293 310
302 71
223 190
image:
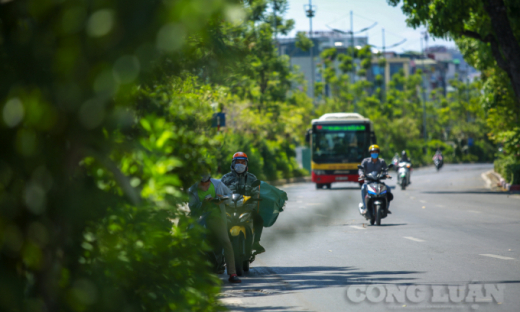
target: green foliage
106 112
398 119
473 27
509 168
303 42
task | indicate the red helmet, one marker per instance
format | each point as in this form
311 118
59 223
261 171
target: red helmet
237 156
240 155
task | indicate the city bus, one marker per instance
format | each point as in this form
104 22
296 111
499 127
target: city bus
339 142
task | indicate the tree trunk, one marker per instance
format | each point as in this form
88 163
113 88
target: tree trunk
505 48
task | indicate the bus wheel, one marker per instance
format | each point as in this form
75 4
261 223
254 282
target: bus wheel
319 186
329 185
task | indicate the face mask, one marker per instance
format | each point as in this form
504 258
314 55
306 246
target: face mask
240 168
205 177
374 155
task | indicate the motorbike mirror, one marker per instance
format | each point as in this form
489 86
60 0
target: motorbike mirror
360 167
390 166
236 197
256 183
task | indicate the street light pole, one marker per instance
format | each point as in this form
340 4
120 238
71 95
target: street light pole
424 95
310 10
352 44
384 43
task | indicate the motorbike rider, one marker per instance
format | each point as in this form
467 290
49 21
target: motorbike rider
438 154
404 158
371 164
200 195
241 179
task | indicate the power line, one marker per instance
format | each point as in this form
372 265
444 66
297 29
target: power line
366 18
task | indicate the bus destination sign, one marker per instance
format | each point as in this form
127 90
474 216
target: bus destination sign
341 128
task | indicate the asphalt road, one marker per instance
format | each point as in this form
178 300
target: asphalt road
450 244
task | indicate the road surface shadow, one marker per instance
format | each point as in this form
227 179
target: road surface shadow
275 280
391 224
382 224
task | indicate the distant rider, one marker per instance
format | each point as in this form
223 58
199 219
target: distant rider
240 179
438 154
200 204
371 164
404 158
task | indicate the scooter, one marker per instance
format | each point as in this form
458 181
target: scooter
376 198
403 174
438 162
240 226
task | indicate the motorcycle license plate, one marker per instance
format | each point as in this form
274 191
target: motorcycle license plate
403 175
341 178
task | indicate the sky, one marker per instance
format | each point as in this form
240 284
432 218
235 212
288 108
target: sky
336 14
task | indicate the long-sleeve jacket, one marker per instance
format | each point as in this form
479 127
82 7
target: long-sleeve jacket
371 166
196 205
236 181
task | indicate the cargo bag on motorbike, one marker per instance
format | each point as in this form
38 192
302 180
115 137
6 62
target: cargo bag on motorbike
273 200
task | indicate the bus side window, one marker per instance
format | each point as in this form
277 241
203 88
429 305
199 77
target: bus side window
373 138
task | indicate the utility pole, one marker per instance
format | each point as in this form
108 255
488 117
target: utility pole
424 95
310 10
275 28
352 44
384 43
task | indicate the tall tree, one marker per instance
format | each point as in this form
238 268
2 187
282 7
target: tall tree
494 23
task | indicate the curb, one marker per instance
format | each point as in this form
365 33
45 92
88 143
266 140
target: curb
289 181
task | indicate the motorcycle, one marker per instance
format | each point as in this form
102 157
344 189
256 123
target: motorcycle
240 226
403 174
376 198
438 161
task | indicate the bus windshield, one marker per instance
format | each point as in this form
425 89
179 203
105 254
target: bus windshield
339 143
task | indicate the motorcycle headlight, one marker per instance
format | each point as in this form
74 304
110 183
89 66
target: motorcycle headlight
319 172
408 166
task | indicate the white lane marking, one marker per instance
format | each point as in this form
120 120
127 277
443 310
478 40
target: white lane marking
312 204
414 239
498 257
411 197
357 227
474 211
230 301
423 201
442 206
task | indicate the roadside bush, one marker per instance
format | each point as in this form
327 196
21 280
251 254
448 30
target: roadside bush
509 168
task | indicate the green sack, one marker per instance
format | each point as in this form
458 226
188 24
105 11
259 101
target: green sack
273 200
